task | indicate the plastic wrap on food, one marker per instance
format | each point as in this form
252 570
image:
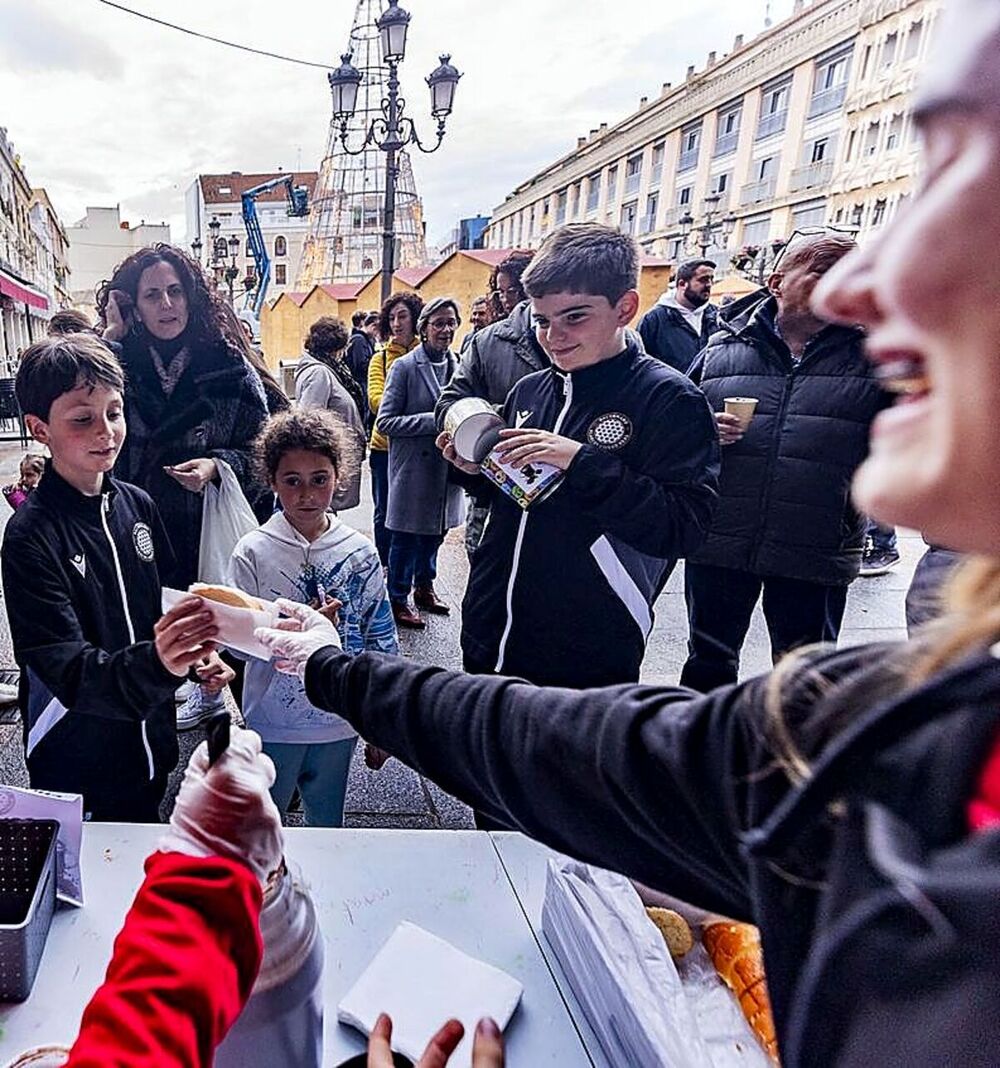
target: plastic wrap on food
236 625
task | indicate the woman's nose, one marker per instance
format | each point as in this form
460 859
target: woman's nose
846 293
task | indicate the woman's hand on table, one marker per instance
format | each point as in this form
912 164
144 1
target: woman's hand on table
487 1047
294 640
194 475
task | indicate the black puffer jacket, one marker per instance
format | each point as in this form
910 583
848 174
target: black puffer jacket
784 506
669 337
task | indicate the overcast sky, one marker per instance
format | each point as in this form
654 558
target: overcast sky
105 108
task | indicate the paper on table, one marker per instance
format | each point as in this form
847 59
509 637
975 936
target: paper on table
236 625
67 811
421 981
619 969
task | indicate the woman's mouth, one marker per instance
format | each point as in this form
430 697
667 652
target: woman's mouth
903 374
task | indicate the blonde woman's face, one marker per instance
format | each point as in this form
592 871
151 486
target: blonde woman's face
926 290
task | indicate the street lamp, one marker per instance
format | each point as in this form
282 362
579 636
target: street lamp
392 131
756 262
233 270
710 228
196 250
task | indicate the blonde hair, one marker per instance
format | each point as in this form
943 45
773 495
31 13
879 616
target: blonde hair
970 620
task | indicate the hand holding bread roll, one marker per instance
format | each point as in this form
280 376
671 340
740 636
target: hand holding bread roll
226 595
735 951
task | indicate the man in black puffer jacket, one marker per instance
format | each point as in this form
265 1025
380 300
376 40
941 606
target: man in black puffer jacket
785 523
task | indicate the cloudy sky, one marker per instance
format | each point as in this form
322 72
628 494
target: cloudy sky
106 108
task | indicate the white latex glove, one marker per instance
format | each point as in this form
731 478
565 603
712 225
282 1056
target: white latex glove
226 810
295 639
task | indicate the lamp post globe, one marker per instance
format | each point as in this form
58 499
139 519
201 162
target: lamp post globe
443 82
392 26
344 82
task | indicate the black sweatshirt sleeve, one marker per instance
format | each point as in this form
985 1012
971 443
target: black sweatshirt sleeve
665 509
652 782
48 641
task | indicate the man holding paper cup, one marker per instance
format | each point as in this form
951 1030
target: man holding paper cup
793 398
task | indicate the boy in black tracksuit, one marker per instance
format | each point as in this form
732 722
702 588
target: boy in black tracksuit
83 598
562 594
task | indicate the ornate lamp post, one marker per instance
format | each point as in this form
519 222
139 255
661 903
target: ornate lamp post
710 228
756 262
233 270
196 247
394 130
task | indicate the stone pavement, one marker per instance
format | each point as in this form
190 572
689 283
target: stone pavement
397 796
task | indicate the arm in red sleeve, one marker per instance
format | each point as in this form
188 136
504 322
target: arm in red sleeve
183 967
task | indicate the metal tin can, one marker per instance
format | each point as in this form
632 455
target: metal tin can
473 424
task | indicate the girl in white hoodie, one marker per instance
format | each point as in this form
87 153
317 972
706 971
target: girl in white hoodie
306 554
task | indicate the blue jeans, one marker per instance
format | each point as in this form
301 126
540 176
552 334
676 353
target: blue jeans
412 562
378 461
883 538
319 771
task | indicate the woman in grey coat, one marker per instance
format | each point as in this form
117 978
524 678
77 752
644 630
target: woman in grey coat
423 504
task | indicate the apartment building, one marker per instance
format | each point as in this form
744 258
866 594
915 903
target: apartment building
806 124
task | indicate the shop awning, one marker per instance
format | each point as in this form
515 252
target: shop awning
18 291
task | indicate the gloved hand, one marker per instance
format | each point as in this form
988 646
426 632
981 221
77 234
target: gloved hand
295 639
226 810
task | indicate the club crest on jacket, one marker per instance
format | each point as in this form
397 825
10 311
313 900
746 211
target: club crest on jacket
611 431
142 538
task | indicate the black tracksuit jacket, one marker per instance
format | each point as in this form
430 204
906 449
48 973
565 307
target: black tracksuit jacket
82 588
562 594
879 911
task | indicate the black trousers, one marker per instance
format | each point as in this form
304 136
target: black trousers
720 602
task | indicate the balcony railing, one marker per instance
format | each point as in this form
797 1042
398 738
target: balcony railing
756 192
632 183
726 143
827 100
655 176
772 124
688 160
672 216
811 175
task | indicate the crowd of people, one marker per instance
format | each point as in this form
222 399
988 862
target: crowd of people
848 803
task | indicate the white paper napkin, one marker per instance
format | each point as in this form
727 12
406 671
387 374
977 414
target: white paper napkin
421 981
236 625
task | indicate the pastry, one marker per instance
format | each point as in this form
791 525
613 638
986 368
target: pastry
226 595
674 928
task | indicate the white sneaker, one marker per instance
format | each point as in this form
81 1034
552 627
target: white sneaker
184 691
198 708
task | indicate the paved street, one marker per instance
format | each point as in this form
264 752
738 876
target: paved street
396 796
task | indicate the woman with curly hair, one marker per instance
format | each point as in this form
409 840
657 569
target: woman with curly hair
323 380
505 282
192 401
398 330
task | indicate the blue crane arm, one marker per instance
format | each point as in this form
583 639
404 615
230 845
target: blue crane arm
298 206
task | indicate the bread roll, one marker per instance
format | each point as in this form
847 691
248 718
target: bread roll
226 595
674 928
736 953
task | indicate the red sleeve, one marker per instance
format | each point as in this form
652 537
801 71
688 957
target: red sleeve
984 809
182 969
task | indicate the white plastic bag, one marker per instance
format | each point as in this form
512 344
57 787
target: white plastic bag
225 518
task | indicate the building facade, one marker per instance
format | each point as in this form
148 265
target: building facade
217 196
98 243
32 242
805 125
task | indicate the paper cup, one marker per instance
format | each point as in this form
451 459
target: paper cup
473 425
742 408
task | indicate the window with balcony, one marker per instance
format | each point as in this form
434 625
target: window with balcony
756 229
765 176
866 62
878 213
829 84
593 192
690 145
774 109
810 214
676 248
280 246
894 138
871 140
719 186
913 40
629 213
656 173
857 214
280 274
649 219
612 183
684 196
889 49
727 130
633 174
561 207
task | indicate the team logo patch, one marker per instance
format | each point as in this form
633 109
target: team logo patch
610 431
142 537
8 799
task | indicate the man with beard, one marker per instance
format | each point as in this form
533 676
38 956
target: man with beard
681 323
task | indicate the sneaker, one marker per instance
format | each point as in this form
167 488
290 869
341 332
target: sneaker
197 708
878 561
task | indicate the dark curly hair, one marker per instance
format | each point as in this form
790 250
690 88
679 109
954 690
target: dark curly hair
309 429
326 336
208 324
413 301
513 267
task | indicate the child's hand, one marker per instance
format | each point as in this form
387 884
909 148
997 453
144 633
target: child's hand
375 758
518 447
183 636
444 442
329 609
214 674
